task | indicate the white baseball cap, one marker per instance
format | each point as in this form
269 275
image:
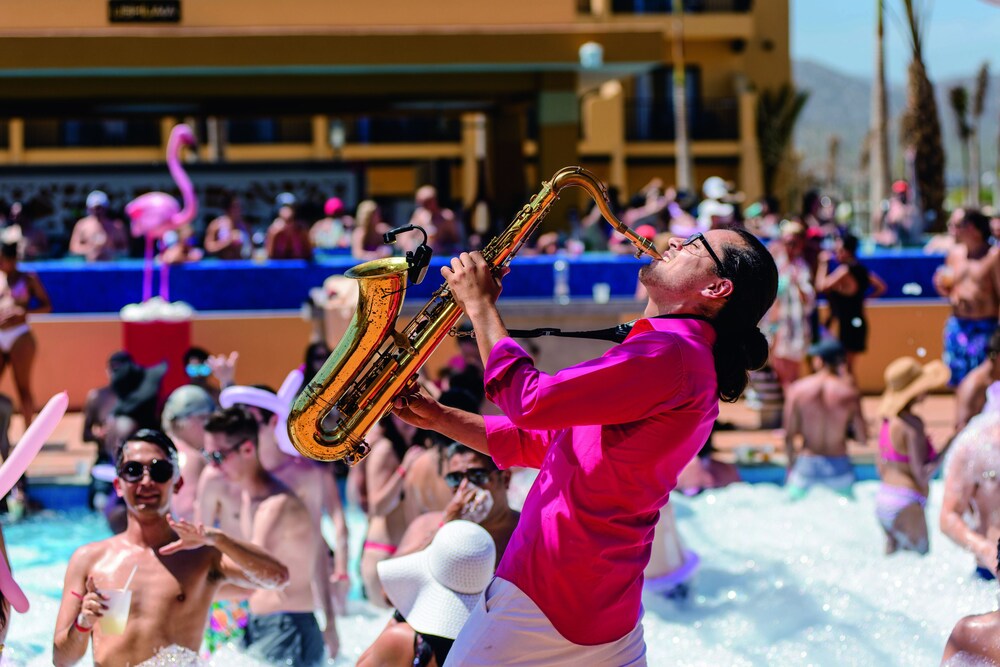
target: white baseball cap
97 199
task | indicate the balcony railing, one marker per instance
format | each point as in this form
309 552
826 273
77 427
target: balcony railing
403 129
269 130
711 119
91 132
666 6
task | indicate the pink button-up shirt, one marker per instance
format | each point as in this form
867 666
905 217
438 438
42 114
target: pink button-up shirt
610 437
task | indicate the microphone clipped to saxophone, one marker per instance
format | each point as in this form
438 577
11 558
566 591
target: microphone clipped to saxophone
374 362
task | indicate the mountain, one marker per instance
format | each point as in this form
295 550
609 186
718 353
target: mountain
840 104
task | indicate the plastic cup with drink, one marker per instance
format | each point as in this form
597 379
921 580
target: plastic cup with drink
119 602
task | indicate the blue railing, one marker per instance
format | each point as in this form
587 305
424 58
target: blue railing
213 285
666 6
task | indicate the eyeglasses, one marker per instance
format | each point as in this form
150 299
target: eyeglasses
198 370
216 458
160 471
694 238
477 476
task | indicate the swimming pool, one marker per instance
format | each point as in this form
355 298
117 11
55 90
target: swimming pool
780 584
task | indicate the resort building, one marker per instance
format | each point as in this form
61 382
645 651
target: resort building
482 99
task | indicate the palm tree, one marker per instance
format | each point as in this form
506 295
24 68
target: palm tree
878 174
777 113
920 127
959 98
978 104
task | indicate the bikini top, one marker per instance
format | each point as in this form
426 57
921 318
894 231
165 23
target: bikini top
427 646
889 452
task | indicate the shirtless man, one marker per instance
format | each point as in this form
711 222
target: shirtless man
970 279
220 504
820 407
974 639
444 231
970 396
314 485
972 487
184 416
98 237
178 569
282 627
480 495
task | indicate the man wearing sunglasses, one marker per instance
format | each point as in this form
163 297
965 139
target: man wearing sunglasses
314 484
178 568
282 626
479 494
609 436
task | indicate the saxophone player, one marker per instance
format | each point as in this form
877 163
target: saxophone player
610 437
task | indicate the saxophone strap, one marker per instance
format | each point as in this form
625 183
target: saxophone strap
615 334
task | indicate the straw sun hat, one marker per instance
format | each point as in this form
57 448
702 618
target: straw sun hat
436 589
905 379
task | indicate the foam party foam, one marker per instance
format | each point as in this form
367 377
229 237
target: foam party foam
157 310
781 583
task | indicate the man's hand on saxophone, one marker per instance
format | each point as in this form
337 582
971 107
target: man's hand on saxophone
476 289
472 281
422 411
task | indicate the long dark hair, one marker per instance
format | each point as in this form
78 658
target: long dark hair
740 347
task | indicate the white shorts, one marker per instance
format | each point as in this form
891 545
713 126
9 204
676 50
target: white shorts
9 336
507 628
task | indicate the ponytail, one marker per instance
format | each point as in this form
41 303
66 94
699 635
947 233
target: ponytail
740 347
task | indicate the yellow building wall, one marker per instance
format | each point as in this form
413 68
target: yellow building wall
299 14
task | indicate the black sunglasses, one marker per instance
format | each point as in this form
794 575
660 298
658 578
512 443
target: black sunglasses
477 476
719 266
160 471
216 458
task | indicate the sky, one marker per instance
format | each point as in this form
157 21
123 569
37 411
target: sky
960 36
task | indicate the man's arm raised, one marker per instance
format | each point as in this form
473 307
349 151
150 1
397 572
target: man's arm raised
243 564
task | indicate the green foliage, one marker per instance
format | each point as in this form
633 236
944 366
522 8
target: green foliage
777 113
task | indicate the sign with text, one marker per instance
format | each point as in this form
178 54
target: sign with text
144 11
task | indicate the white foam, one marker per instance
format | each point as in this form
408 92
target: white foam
780 583
157 310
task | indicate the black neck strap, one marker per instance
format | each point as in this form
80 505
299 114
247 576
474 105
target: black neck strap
615 334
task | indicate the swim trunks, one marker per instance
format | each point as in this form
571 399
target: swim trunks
985 573
287 638
834 472
227 621
965 343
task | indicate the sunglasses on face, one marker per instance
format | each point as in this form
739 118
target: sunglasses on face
477 476
198 370
160 471
699 238
216 458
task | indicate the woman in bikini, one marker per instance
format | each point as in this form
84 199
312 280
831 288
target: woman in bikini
20 294
907 459
385 469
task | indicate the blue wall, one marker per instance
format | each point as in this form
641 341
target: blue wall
212 285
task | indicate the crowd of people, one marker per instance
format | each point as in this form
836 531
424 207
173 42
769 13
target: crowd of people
218 532
299 228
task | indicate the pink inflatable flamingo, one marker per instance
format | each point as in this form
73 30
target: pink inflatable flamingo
156 213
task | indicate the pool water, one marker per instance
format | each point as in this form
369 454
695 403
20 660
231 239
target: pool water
781 583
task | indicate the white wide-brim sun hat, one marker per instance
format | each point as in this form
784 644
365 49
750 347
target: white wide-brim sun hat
436 589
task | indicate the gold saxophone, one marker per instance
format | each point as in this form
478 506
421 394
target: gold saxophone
374 363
